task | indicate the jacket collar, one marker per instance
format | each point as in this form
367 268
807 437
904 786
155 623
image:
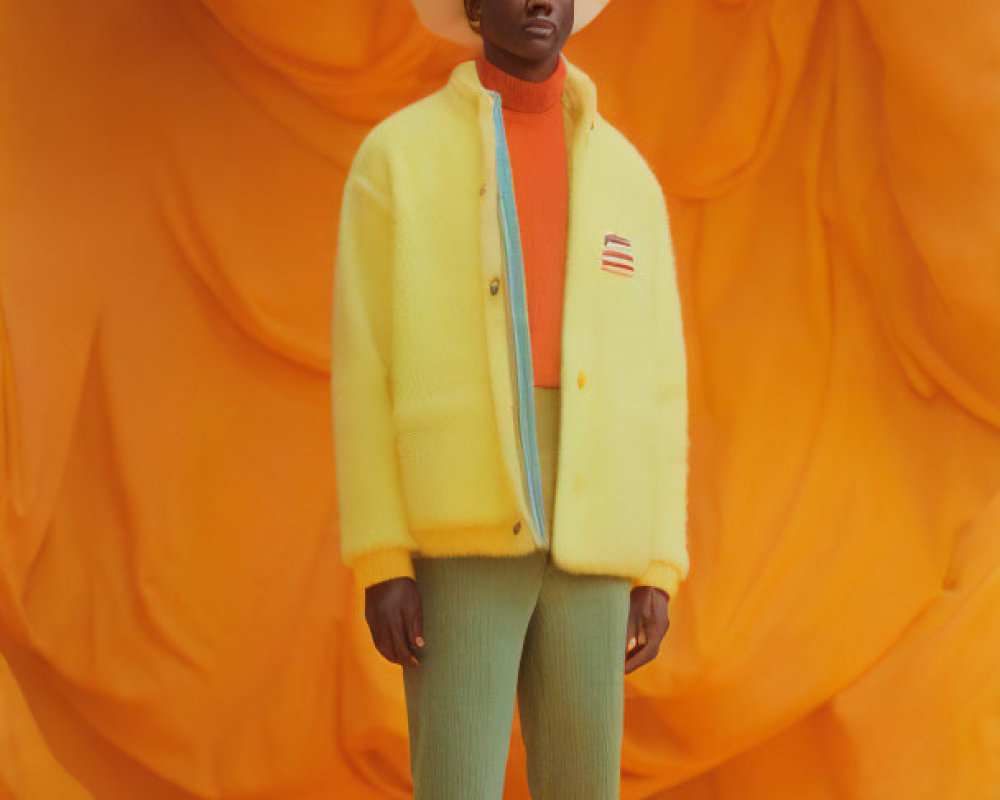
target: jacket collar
579 93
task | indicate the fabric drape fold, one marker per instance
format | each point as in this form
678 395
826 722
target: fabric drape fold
174 619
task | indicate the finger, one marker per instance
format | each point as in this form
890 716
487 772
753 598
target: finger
637 657
414 638
631 631
403 654
641 655
383 643
647 619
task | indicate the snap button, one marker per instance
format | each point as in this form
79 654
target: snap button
494 286
517 526
482 190
581 379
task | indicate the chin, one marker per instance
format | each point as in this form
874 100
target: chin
535 50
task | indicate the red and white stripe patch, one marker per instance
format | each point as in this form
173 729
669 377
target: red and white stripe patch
616 255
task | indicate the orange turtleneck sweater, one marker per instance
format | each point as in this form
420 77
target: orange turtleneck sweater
533 121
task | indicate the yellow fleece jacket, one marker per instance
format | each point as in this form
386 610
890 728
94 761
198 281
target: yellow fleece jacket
429 445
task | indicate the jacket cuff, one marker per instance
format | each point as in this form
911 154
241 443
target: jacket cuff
381 565
661 574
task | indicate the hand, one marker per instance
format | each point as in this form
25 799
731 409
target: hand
395 618
647 625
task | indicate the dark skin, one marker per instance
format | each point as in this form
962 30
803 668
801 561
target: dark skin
523 38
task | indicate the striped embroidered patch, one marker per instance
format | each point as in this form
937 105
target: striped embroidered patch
616 255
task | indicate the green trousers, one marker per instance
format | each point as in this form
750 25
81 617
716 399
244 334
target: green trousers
497 628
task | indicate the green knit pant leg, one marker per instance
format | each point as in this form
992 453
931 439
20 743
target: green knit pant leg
571 678
571 686
460 700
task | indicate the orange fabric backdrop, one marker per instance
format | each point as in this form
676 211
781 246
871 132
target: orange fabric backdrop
174 619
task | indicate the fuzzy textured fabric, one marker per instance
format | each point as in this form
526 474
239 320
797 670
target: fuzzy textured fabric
425 435
533 121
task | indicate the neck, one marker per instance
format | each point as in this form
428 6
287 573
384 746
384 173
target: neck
525 69
522 95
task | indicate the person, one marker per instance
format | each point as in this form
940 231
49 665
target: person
509 402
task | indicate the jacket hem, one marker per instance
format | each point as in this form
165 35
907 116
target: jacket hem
478 541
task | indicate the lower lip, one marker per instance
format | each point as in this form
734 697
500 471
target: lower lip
542 31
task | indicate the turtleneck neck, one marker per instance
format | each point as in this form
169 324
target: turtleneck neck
518 94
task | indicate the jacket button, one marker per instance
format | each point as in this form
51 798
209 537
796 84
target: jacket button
482 190
517 526
581 379
494 286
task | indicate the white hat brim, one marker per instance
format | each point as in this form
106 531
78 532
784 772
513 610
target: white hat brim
446 18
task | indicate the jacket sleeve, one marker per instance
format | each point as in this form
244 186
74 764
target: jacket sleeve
670 556
375 541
